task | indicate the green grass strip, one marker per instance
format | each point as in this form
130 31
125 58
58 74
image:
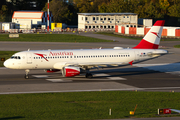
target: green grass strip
6 55
86 105
177 46
51 38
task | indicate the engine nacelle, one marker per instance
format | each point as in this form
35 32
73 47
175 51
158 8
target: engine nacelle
71 71
52 70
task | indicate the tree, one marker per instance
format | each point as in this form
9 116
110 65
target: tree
2 2
60 11
102 8
174 10
3 13
84 6
152 10
114 6
164 5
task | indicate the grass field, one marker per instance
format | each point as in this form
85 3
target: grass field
51 38
177 46
6 55
86 105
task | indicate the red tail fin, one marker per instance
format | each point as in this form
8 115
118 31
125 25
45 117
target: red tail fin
152 39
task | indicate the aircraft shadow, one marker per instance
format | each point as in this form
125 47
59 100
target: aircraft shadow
15 117
173 68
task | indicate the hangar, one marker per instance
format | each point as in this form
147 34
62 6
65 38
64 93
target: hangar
31 19
106 20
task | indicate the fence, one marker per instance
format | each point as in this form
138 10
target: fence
167 31
55 30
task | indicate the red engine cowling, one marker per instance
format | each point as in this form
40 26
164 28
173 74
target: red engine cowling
71 71
52 70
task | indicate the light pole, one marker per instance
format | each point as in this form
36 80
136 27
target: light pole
48 17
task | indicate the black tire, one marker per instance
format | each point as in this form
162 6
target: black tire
89 75
26 76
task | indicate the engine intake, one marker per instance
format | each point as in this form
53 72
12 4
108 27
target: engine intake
71 71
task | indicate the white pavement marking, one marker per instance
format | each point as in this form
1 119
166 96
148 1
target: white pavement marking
40 76
126 89
116 78
58 80
172 68
109 77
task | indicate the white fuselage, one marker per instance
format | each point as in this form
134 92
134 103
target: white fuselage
56 59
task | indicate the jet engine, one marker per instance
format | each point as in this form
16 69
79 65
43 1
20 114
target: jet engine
71 71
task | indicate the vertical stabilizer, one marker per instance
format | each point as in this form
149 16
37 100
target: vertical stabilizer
152 39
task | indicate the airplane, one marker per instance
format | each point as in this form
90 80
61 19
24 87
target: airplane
77 61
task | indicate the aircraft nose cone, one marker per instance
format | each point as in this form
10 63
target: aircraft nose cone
6 63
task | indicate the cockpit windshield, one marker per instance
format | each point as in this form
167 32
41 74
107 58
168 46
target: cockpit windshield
15 57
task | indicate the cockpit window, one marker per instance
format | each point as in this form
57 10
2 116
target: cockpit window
15 57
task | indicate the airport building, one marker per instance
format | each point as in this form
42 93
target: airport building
106 20
31 19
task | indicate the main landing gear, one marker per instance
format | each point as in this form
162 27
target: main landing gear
26 75
88 74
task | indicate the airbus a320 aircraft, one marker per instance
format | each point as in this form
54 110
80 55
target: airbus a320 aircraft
74 62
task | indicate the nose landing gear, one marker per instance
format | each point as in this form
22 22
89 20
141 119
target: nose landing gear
26 75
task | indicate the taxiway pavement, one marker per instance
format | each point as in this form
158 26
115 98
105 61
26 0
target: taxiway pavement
160 74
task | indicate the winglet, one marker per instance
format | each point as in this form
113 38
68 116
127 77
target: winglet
152 39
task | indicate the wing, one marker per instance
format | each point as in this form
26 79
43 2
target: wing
98 65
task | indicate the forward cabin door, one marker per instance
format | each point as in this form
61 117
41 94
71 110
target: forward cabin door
29 58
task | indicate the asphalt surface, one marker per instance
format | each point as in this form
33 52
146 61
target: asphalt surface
160 74
148 75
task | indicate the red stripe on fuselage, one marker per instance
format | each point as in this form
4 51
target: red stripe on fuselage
146 45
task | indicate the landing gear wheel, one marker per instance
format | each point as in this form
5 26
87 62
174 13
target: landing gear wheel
26 76
89 75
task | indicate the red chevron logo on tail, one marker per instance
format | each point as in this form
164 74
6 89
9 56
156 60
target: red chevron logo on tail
155 34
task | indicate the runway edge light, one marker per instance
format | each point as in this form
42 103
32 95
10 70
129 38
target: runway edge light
2 59
132 112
